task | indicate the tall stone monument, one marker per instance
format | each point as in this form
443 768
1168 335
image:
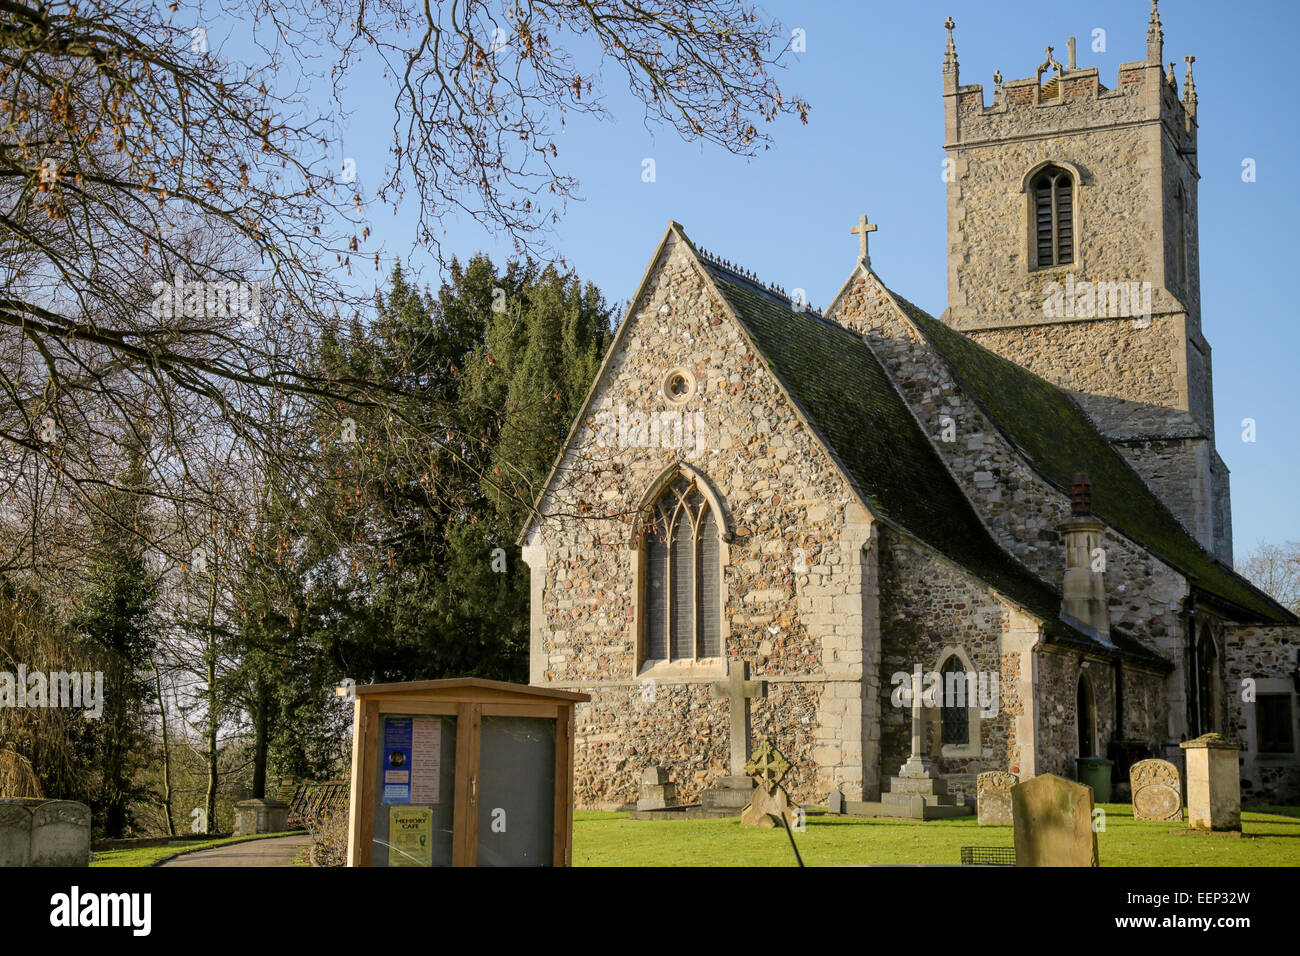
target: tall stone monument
733 792
917 791
1213 784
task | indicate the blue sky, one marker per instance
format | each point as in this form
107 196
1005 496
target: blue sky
873 145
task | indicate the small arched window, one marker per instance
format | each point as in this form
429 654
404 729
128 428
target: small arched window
955 715
683 619
1053 196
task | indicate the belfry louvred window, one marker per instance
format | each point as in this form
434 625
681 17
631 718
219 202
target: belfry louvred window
1053 192
683 578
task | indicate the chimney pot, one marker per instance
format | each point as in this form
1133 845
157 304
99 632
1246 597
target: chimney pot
1081 494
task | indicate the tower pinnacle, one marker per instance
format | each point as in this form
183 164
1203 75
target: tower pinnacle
1155 36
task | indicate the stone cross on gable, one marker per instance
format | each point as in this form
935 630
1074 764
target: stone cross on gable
861 230
738 690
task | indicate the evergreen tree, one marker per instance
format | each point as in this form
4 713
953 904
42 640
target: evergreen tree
499 362
114 616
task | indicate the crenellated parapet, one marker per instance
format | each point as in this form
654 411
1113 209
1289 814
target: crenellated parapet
1060 98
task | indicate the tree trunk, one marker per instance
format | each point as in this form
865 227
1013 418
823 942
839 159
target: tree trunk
210 659
166 750
260 721
114 793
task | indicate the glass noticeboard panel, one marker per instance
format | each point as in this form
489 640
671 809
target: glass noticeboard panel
414 792
516 799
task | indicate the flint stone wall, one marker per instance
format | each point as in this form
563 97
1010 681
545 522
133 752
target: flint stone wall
929 604
798 578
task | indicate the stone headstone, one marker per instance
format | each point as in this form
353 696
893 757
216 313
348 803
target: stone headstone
61 834
261 816
1053 823
993 797
15 834
39 832
835 802
1157 794
1213 784
658 792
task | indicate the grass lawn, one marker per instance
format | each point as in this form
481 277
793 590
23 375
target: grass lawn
611 839
149 855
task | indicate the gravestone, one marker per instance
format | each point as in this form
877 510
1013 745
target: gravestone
1213 784
770 803
835 802
38 832
993 797
15 834
61 834
1156 792
1053 821
658 792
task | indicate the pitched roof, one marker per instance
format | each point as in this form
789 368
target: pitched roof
1058 438
846 395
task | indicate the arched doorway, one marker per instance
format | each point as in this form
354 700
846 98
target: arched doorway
1086 717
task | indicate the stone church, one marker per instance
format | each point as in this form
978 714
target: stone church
1023 493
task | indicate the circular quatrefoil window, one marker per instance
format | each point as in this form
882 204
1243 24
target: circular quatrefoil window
678 385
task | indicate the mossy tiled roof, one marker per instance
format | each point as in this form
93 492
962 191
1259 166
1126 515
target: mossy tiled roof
1059 439
845 393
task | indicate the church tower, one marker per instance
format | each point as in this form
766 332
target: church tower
1072 251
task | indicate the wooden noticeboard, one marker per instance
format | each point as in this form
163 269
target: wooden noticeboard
462 772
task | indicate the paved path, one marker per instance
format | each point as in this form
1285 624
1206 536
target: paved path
277 851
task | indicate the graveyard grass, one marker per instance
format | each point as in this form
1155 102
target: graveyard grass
611 839
149 855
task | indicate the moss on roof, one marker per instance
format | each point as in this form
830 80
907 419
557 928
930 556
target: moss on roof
1059 439
846 394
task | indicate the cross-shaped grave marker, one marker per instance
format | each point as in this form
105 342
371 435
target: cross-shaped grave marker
769 767
738 690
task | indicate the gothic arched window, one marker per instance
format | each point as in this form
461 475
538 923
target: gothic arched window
683 617
1053 197
955 715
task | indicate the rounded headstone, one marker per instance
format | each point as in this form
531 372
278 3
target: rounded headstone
1156 791
61 834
